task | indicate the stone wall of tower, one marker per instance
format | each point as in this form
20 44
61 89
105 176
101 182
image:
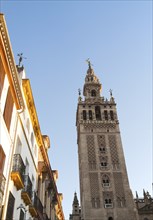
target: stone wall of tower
104 186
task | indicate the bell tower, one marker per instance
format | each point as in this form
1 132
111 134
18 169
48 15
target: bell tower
104 188
76 212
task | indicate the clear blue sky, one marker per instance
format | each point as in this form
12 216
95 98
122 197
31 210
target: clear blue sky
57 37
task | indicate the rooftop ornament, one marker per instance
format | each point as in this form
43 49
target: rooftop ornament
89 63
79 91
111 94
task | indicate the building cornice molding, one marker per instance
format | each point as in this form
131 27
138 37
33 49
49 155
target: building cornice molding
32 111
6 51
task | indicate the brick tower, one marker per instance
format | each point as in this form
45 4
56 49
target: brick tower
104 186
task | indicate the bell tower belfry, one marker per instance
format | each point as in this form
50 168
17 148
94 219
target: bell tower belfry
104 188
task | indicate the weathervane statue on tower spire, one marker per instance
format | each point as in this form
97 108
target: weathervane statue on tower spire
89 63
111 92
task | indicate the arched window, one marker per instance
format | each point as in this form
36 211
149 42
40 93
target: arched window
98 113
90 115
108 201
106 115
106 181
84 115
102 149
110 218
103 161
93 93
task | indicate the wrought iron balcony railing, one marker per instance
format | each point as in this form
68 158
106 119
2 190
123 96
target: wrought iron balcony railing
27 190
36 208
18 170
2 187
39 207
2 183
33 206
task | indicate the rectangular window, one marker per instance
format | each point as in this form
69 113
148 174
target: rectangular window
2 76
10 207
8 109
2 159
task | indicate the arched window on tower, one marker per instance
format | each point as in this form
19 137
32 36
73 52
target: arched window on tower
84 115
90 114
108 203
93 93
110 218
102 149
98 112
105 181
103 162
112 115
106 115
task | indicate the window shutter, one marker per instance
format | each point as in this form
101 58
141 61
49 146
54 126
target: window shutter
10 207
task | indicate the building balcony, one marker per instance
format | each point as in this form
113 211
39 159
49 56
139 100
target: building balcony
33 205
18 170
109 205
26 193
36 207
106 184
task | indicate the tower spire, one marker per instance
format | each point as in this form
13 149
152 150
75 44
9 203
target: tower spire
76 212
92 83
75 201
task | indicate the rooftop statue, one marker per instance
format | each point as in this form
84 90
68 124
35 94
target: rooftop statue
20 55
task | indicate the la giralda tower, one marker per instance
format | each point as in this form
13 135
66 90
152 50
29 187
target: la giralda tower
104 187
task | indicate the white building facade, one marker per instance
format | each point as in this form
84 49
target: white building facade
27 184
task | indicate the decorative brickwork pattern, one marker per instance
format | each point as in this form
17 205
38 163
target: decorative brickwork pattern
90 125
101 140
113 151
91 152
94 190
118 182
